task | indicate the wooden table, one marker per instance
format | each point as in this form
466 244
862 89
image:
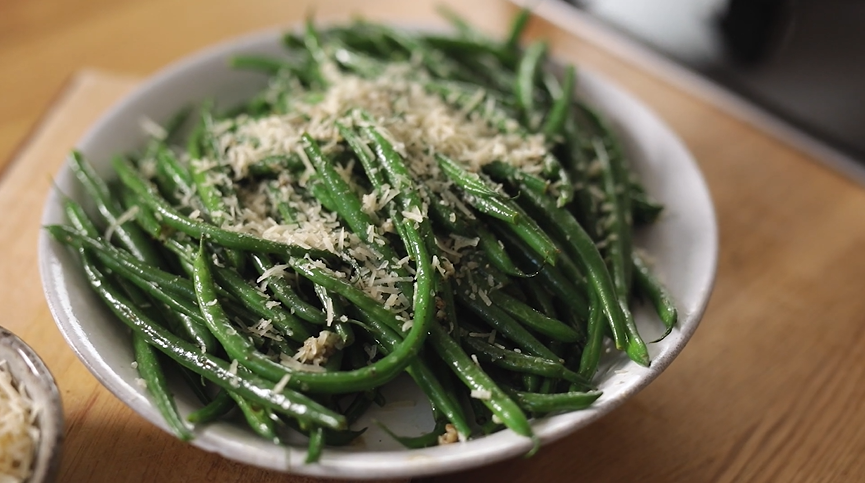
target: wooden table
771 387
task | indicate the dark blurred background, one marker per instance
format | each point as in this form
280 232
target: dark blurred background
803 61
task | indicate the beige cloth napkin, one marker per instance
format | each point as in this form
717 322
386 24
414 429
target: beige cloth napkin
105 440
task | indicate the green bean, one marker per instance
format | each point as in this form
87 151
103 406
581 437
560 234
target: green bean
496 253
283 291
502 170
551 403
257 302
531 382
143 216
415 442
359 405
527 72
192 327
206 189
644 210
146 360
522 363
473 49
212 193
562 187
418 239
339 382
195 383
449 220
647 284
539 322
584 205
183 311
361 36
556 117
591 355
123 262
584 251
339 323
322 194
536 238
518 25
482 197
152 281
210 367
312 42
266 65
481 384
151 372
315 446
174 126
345 200
540 297
462 27
378 180
619 246
619 243
471 98
394 168
218 407
129 235
275 164
388 339
257 418
550 277
357 62
503 323
179 312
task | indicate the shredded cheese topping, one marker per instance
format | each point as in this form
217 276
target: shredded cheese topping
418 123
316 350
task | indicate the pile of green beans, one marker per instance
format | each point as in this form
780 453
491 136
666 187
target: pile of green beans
554 252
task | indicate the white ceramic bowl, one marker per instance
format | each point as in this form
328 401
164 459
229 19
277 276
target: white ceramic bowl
683 244
30 374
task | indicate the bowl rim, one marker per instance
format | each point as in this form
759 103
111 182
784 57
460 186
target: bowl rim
50 418
485 450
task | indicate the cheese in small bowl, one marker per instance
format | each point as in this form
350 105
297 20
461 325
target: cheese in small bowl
31 415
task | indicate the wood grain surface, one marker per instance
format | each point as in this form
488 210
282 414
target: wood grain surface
771 387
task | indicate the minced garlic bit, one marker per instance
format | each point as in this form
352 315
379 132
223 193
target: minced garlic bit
18 433
450 435
316 350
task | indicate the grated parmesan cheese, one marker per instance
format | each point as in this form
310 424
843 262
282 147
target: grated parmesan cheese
418 123
450 435
18 433
283 381
316 350
127 215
